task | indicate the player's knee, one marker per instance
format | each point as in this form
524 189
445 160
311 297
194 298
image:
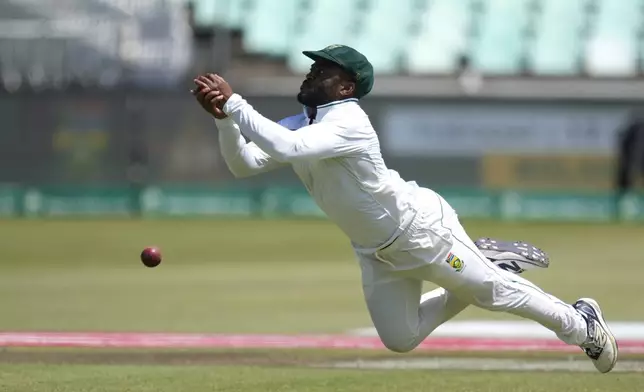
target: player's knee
396 335
398 344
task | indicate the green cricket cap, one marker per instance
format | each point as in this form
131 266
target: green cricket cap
351 61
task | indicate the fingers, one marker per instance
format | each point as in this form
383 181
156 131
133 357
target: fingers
201 84
204 79
209 89
210 78
201 96
203 87
215 78
218 79
205 96
213 96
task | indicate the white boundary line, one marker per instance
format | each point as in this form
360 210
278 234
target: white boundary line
484 364
512 329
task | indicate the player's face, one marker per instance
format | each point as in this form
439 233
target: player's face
326 82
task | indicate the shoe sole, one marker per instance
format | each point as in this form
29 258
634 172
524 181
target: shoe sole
533 255
604 325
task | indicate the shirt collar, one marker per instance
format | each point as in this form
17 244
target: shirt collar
319 112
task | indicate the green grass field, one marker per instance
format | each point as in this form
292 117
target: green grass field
199 378
263 277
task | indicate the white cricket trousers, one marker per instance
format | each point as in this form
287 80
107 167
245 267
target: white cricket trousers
441 252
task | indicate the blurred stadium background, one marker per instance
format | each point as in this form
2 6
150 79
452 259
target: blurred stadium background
512 108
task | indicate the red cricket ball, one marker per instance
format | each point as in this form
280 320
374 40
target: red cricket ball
151 256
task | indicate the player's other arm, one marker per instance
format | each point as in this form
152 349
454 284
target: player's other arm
317 141
243 159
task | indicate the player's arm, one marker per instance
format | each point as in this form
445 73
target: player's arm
243 159
317 141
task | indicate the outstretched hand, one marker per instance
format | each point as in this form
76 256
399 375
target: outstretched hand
212 93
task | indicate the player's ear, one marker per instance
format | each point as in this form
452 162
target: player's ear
347 89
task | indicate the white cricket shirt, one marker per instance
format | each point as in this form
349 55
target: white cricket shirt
337 158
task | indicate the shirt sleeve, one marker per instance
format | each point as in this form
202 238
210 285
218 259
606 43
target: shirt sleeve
312 142
243 159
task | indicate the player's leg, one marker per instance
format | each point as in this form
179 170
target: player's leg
512 256
393 303
470 276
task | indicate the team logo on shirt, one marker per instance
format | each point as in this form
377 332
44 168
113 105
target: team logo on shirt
455 262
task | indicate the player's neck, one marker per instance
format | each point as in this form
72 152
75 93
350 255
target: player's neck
316 113
307 109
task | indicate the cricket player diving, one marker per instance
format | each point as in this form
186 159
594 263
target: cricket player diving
402 234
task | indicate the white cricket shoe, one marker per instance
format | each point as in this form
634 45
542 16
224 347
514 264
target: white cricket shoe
600 346
513 256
